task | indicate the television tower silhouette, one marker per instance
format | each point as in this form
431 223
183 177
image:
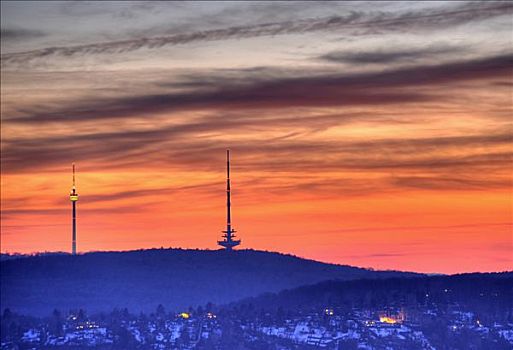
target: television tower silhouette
228 242
74 198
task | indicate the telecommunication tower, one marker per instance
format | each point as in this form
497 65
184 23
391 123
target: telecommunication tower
74 198
228 242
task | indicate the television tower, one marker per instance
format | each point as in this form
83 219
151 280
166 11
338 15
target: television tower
228 242
74 198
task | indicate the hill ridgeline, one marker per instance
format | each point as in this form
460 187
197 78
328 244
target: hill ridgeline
176 278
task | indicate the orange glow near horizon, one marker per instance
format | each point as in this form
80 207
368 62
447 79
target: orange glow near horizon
384 231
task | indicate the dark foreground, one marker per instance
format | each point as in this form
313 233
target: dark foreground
143 279
473 311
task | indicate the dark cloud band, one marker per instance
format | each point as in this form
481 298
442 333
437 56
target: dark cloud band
364 89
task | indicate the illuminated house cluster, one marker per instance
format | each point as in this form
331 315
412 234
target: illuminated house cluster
392 318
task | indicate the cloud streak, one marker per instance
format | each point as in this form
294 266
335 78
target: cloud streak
20 34
389 56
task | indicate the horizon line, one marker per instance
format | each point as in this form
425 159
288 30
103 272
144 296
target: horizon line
42 253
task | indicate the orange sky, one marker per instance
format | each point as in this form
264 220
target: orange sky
360 152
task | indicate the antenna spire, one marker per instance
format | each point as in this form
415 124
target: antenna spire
228 242
73 175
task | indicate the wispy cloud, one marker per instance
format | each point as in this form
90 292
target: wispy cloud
355 23
8 213
206 188
423 163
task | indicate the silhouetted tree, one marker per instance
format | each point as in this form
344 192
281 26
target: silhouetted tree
56 323
161 311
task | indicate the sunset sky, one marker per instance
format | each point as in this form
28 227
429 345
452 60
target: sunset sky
370 134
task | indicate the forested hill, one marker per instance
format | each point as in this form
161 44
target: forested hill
487 293
142 279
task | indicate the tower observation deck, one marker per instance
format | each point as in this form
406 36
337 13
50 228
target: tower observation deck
228 242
